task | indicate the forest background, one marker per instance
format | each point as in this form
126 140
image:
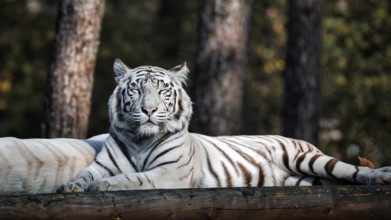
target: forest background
355 67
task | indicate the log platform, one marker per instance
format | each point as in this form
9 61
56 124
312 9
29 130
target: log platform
317 202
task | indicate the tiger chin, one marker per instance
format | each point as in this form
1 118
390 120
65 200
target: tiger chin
149 146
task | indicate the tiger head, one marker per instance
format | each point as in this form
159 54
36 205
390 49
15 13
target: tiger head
149 100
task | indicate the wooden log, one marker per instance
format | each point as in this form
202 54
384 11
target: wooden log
320 202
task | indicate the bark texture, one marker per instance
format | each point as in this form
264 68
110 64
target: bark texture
70 76
332 202
220 66
301 101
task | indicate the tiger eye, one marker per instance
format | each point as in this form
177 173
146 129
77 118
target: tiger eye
132 91
165 92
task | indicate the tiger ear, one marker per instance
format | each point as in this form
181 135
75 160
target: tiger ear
120 69
180 71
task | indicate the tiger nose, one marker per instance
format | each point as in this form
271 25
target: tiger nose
148 111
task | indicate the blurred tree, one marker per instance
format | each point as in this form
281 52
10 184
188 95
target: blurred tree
168 27
263 85
220 66
70 78
301 97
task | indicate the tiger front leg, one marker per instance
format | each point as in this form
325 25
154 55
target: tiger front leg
122 182
83 179
156 179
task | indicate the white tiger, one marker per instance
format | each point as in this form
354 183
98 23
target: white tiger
150 147
29 166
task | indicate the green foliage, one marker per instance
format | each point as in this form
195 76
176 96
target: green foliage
356 76
355 67
26 37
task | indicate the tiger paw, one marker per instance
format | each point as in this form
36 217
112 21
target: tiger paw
99 186
70 187
380 176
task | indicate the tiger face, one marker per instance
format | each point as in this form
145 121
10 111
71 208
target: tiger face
149 100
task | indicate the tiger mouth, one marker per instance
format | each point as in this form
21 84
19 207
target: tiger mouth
150 123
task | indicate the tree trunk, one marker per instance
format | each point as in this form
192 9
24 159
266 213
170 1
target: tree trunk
220 66
322 202
70 77
301 101
169 28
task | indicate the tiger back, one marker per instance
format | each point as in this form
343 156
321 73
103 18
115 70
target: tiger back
29 166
